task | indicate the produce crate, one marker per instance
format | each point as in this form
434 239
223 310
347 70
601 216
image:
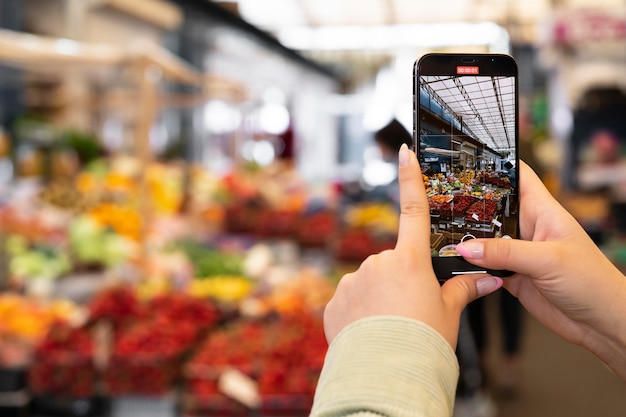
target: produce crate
194 405
58 406
65 374
274 223
240 219
143 406
12 379
278 360
141 375
15 404
203 397
286 405
202 394
316 229
356 245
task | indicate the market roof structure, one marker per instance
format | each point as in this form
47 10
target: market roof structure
484 105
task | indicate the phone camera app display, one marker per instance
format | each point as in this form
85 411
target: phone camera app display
467 152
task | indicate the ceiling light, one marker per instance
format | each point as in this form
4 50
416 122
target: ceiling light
393 36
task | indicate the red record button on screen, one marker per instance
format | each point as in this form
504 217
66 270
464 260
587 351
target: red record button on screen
466 70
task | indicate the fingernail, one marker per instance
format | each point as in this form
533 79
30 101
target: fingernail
403 155
471 249
487 285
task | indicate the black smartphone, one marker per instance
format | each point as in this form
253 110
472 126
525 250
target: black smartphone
466 130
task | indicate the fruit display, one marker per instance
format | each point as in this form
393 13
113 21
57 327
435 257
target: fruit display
35 260
217 298
92 243
498 181
223 288
25 322
482 211
316 229
377 217
368 228
64 195
356 245
207 261
166 187
437 201
118 305
281 355
466 182
146 354
63 363
460 204
470 199
306 290
36 226
145 357
450 205
276 223
123 220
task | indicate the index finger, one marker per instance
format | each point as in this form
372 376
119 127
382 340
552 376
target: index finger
414 230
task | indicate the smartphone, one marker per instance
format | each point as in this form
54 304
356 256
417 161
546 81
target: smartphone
466 131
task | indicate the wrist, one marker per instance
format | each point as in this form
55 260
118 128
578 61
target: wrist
610 349
606 338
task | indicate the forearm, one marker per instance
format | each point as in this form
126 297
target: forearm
388 366
606 337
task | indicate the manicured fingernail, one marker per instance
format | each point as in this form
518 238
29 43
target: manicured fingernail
471 249
487 285
403 155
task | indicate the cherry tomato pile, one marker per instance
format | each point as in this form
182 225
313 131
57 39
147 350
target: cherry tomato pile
118 305
276 223
283 355
63 363
316 229
356 245
181 307
484 209
500 182
437 202
461 204
146 356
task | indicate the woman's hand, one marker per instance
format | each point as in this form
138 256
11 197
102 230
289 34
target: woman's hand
402 281
563 279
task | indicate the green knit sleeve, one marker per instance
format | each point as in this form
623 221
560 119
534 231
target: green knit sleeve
387 366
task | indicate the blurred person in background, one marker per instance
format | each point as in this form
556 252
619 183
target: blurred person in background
389 139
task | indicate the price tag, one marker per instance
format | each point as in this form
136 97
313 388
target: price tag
475 217
239 387
497 223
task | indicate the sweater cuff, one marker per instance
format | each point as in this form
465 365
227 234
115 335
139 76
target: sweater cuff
388 365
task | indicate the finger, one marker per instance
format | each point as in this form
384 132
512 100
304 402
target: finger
532 193
530 183
414 230
461 290
530 258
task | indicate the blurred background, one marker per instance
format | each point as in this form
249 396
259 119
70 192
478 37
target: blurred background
182 184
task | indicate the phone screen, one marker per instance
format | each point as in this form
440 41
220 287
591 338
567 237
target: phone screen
466 131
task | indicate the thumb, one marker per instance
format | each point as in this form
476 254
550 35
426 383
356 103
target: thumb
461 290
530 258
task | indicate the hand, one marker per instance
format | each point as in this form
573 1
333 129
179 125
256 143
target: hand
402 281
562 278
